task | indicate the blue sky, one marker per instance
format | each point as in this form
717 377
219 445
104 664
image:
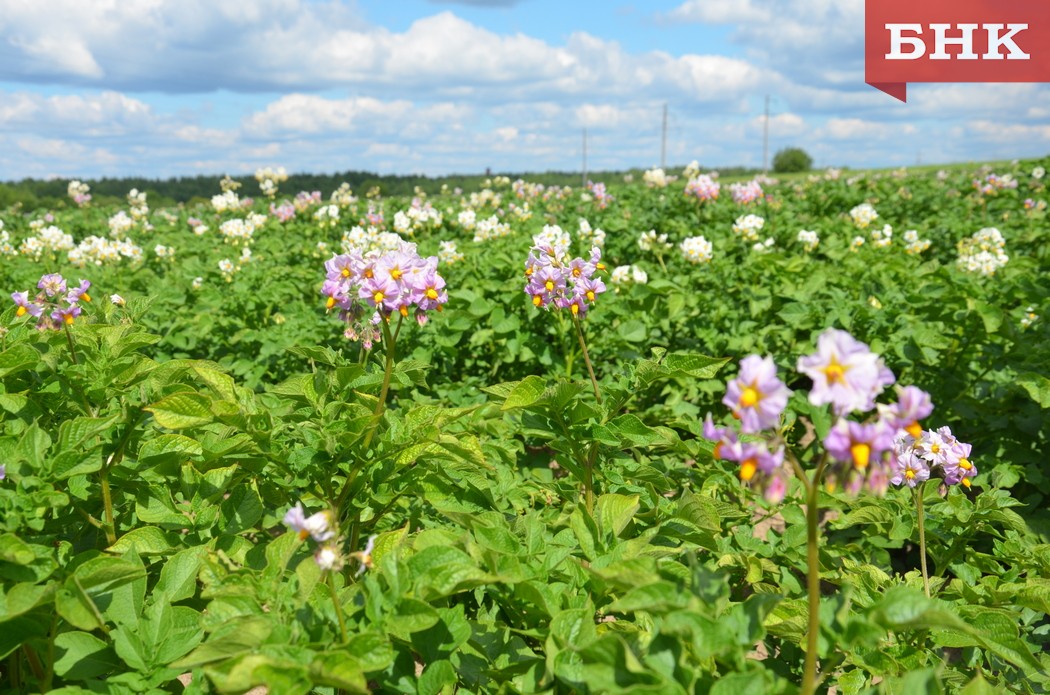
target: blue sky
162 88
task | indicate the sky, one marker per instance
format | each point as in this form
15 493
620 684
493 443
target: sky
160 88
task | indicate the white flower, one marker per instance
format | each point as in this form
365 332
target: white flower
1038 173
808 239
863 215
117 299
747 227
696 249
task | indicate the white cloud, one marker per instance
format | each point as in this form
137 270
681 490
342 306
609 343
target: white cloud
718 12
860 129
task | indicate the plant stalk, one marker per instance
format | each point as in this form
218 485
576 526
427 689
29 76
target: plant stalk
587 358
922 537
810 678
72 348
109 525
338 607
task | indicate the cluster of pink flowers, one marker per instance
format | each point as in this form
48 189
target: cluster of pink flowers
304 200
889 447
398 281
703 187
745 193
283 212
554 280
993 183
374 218
934 452
601 196
56 305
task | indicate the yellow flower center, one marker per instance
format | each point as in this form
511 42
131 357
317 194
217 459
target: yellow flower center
590 295
369 274
549 285
377 297
537 300
68 318
85 297
861 453
717 453
431 293
749 397
747 469
330 303
835 373
576 272
935 448
396 273
346 272
575 308
600 266
914 429
21 311
909 474
966 482
965 464
528 271
403 310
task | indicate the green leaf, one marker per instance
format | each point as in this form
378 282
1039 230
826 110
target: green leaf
1037 386
14 550
632 331
24 597
615 511
527 392
695 365
80 655
178 577
182 410
436 676
17 358
146 540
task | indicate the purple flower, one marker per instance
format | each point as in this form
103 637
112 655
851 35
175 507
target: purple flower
77 293
859 443
759 467
382 293
845 373
52 285
25 306
590 288
318 525
343 268
757 397
65 315
913 404
909 469
933 447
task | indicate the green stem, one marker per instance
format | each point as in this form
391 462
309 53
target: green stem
587 358
72 348
922 538
390 343
338 607
35 666
109 525
588 478
810 678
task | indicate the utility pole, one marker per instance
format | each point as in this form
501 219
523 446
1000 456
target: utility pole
765 140
663 142
584 179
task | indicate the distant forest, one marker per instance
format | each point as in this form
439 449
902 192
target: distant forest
35 194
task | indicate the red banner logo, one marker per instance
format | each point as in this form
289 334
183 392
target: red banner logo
955 41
